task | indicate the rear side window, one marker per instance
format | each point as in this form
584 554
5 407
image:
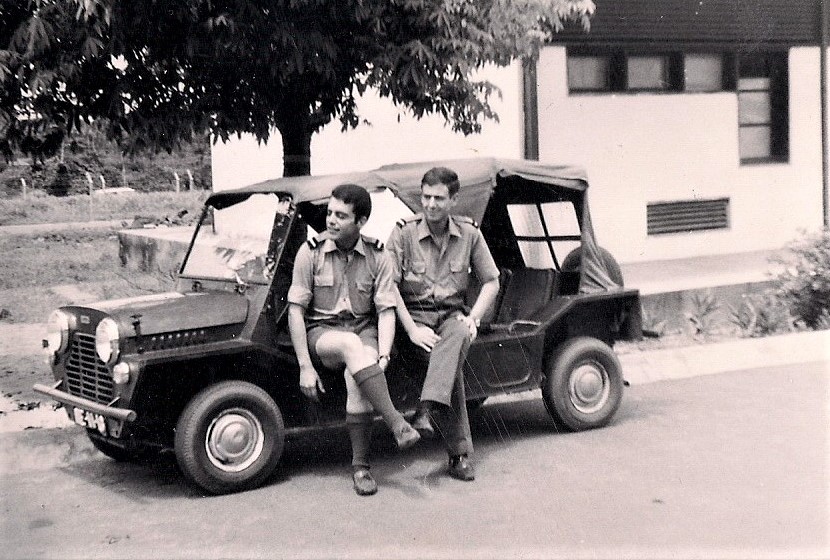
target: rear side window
546 233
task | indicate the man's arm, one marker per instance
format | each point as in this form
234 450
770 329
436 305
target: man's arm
486 299
386 334
309 378
420 335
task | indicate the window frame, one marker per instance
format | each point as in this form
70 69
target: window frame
776 64
617 78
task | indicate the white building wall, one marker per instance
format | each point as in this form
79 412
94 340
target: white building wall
392 137
641 148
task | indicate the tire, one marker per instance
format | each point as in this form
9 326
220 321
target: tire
584 384
229 438
574 259
110 450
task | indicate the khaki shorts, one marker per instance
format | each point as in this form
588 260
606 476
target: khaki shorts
366 331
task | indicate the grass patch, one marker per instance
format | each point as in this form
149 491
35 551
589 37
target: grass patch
87 260
39 208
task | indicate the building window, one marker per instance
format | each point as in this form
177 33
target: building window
589 73
702 72
617 70
648 73
763 108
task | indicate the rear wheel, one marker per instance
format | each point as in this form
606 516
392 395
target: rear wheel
583 386
230 437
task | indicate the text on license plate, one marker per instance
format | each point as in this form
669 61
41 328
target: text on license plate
89 420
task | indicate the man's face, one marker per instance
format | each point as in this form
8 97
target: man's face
340 223
437 202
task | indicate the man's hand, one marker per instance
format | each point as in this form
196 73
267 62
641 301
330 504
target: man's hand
424 337
471 324
310 382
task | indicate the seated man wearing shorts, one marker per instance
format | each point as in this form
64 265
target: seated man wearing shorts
342 314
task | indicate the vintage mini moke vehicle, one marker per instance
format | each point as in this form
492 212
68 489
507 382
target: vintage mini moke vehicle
208 370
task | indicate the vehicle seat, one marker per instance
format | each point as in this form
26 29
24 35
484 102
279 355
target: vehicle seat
528 291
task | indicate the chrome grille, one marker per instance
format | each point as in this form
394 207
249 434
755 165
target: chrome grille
86 375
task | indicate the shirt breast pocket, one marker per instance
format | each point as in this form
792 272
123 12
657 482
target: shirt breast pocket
414 279
363 298
460 274
324 294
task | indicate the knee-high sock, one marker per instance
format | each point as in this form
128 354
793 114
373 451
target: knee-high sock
360 434
372 382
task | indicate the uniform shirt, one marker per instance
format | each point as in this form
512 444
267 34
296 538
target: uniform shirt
337 286
433 274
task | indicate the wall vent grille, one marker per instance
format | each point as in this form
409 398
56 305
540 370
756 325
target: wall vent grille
687 215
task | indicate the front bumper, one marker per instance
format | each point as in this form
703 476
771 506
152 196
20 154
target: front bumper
120 414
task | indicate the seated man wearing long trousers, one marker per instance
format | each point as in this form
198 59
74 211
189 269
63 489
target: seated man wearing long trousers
434 252
342 313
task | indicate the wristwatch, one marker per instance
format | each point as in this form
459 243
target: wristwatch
384 357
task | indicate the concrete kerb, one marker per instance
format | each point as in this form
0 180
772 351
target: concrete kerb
44 438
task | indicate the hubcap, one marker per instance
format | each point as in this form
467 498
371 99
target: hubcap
234 440
589 387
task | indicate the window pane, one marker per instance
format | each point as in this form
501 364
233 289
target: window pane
536 254
647 72
755 142
754 108
588 73
704 72
753 83
560 218
525 220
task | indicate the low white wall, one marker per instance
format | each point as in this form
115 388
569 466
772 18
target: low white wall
641 148
392 137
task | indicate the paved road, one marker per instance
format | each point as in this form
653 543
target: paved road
721 466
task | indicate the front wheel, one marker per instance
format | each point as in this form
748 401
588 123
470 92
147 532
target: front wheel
230 437
583 386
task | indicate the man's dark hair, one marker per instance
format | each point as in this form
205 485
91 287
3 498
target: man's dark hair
357 196
442 176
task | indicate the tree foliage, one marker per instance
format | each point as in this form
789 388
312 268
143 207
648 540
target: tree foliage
158 71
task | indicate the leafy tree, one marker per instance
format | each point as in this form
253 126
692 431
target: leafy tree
158 71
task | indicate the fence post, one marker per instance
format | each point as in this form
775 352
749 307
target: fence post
177 181
189 180
25 193
91 186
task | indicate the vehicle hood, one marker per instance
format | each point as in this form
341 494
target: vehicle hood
174 311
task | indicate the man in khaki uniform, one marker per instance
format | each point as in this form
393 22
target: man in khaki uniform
342 313
434 253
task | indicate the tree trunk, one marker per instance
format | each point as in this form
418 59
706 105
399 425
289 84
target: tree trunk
296 151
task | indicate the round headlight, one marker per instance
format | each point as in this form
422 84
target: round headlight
57 331
106 340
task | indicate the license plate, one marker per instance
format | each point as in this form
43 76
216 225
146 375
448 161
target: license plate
89 419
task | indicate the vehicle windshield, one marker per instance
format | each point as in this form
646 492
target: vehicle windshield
232 243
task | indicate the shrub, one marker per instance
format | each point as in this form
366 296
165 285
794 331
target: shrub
804 285
702 314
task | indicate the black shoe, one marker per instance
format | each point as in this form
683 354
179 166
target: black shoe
423 421
364 483
461 468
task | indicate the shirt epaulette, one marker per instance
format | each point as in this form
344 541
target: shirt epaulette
465 220
409 220
372 242
313 243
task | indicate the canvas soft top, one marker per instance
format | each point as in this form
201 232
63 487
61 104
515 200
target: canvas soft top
534 181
